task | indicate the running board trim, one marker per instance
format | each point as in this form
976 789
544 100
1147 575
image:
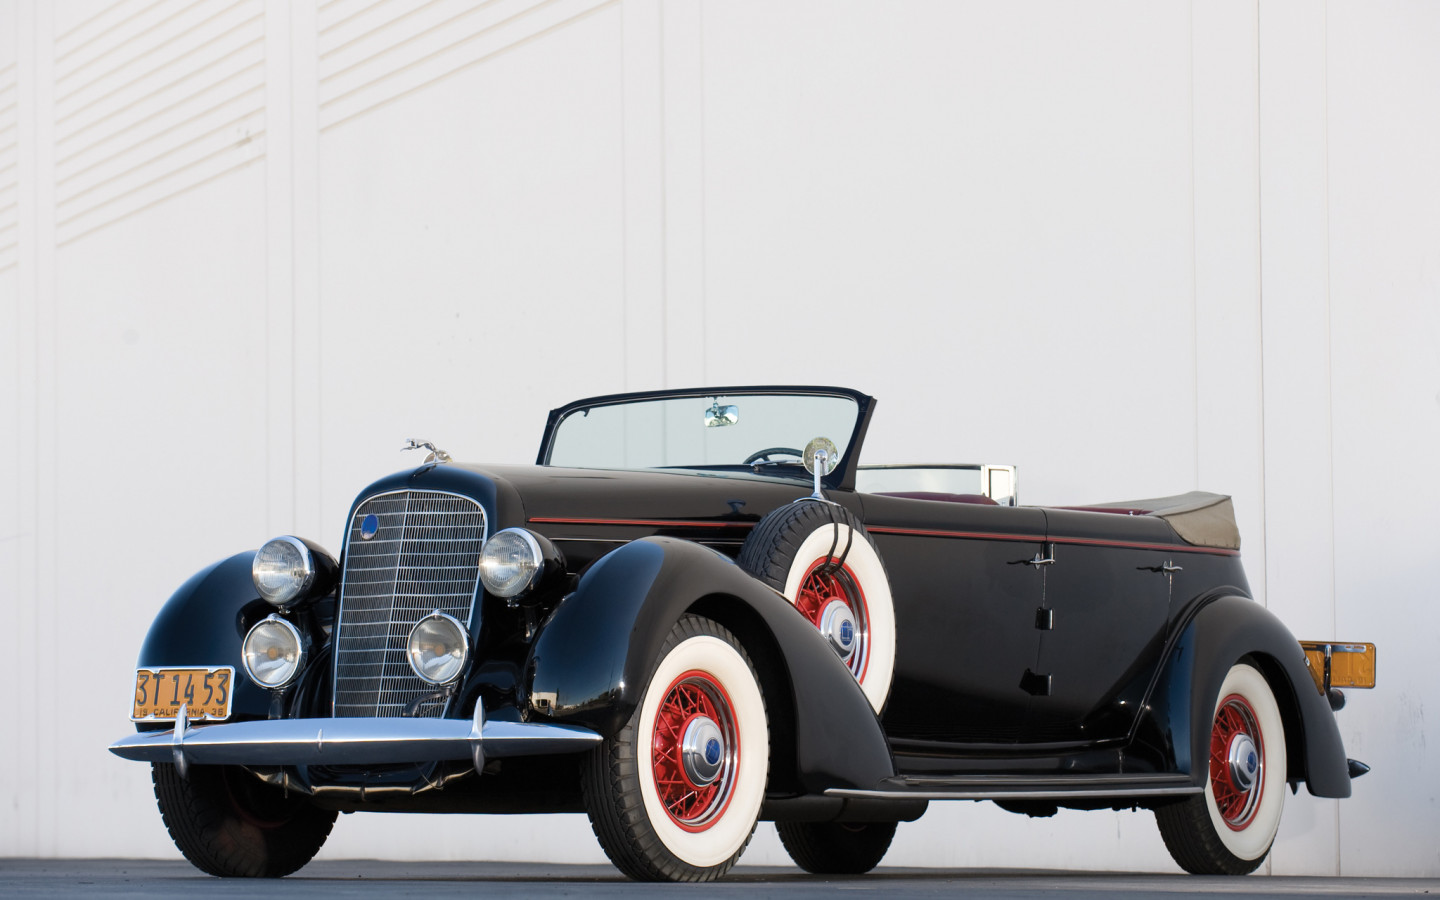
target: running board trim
1018 792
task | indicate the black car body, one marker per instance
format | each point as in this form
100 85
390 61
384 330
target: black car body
940 645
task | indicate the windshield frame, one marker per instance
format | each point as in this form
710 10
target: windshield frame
842 478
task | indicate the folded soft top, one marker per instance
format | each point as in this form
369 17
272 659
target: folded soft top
1199 517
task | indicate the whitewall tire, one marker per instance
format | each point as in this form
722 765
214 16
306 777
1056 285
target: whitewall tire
676 794
821 558
1229 829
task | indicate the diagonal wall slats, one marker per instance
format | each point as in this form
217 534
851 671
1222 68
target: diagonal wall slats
169 96
380 53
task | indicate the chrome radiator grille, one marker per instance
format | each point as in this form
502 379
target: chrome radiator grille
424 555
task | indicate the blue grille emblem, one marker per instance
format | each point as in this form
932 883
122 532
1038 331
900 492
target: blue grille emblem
369 527
847 633
712 751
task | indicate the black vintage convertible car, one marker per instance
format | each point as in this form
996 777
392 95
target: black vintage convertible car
697 611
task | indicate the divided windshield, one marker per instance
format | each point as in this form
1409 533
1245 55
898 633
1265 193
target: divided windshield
701 431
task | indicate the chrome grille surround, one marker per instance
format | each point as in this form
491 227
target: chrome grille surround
424 557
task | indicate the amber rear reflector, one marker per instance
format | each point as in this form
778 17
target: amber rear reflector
1339 664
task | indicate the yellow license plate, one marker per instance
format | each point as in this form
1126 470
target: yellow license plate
204 692
1349 665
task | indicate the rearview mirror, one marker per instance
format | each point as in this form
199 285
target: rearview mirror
718 416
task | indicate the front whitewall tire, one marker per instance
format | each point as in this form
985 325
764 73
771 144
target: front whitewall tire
727 836
676 793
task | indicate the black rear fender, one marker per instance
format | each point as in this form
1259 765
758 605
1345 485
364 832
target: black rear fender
1221 634
593 658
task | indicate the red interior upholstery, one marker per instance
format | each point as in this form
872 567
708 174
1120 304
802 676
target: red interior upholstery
943 498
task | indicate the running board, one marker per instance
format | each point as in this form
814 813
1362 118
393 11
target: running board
1001 787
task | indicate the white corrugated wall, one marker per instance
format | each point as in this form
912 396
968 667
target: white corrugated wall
1136 248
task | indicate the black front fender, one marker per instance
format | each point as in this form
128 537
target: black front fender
593 658
1219 635
204 623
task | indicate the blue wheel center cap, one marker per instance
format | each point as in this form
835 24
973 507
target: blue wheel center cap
369 527
1244 762
702 751
837 623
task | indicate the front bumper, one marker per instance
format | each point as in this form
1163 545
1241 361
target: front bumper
350 741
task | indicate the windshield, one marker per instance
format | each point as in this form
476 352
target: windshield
701 431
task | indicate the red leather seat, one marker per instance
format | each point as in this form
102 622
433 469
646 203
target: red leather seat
943 498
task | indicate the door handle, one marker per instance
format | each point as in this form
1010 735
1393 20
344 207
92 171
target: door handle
1170 569
1038 561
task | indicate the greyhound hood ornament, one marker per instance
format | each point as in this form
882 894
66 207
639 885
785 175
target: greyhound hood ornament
435 456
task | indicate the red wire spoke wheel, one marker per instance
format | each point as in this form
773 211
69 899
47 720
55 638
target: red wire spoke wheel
1230 827
821 558
694 751
831 598
1237 762
675 795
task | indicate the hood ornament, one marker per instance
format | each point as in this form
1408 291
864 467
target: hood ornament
435 456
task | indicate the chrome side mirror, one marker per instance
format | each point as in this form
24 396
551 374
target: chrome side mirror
821 458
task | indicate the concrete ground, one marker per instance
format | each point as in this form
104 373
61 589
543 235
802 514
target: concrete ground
120 879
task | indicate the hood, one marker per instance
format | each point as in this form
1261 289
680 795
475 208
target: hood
553 499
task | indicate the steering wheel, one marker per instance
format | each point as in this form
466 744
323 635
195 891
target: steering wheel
765 454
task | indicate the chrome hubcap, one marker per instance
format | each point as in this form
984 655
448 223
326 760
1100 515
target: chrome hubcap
1244 760
702 751
837 623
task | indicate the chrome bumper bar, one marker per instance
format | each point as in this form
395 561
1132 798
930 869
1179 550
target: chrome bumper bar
350 741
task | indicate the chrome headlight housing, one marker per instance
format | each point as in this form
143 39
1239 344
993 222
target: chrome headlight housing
511 562
438 648
289 570
273 653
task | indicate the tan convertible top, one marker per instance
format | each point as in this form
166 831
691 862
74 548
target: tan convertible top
1201 518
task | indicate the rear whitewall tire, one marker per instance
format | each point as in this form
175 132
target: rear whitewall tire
1253 841
1206 839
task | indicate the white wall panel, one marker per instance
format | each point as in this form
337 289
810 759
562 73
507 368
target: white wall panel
12 523
1294 245
928 206
1384 139
35 804
683 86
247 247
161 424
473 258
1229 401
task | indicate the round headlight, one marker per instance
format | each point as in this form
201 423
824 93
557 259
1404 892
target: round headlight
273 653
438 648
283 570
510 561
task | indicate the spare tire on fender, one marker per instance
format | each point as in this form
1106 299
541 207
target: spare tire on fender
821 558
